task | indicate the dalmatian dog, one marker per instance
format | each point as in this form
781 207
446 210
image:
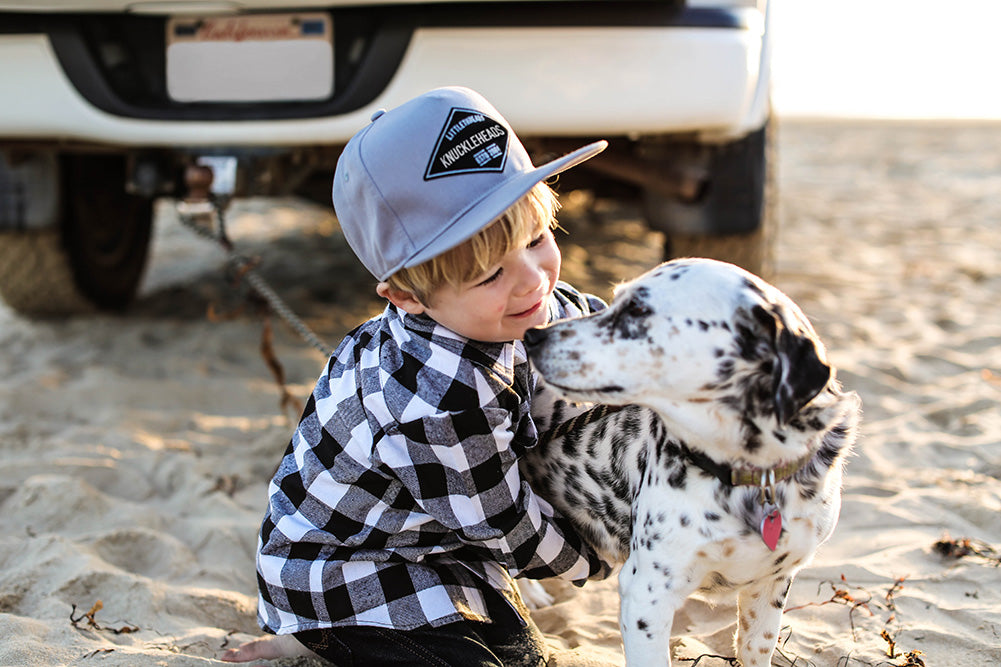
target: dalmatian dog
713 462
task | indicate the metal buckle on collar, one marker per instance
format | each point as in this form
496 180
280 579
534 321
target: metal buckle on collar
768 487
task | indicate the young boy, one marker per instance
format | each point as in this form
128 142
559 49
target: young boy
398 516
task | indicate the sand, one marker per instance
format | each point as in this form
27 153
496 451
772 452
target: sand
135 449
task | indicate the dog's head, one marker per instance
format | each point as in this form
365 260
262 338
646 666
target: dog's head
692 336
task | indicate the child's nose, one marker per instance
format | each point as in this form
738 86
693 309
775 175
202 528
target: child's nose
532 276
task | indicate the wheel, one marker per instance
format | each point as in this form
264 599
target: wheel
106 231
94 257
734 218
753 252
35 275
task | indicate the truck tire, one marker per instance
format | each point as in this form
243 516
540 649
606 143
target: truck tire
735 217
94 259
35 275
753 252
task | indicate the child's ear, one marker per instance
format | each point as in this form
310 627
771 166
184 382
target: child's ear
402 299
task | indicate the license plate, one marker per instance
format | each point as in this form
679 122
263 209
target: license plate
250 58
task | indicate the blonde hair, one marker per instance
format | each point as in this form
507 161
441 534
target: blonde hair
526 218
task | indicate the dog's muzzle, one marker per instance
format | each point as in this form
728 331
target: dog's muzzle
535 337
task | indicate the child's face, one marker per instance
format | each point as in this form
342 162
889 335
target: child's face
508 299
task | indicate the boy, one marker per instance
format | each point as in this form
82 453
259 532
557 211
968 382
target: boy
398 515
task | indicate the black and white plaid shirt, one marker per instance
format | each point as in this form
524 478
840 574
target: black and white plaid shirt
398 502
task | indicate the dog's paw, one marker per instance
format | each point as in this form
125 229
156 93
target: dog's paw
534 595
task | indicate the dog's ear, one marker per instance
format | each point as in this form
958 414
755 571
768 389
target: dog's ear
800 370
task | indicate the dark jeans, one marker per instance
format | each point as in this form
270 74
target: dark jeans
505 642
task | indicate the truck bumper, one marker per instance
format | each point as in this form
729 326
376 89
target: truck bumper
603 81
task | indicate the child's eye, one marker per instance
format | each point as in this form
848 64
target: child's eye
494 276
537 240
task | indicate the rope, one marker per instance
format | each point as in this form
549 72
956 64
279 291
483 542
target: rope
245 268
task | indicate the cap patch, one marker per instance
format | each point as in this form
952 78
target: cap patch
469 142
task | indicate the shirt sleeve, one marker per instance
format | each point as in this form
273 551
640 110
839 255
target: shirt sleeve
569 302
462 470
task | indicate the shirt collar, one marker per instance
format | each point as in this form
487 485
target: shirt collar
501 357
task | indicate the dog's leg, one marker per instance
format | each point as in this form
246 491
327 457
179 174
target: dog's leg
647 611
759 613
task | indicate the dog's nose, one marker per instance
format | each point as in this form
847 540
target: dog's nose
534 336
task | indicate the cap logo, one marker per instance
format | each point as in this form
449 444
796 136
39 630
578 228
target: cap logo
469 142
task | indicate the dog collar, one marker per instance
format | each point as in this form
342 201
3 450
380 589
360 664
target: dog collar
770 527
763 477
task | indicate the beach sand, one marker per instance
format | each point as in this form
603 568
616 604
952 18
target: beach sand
135 449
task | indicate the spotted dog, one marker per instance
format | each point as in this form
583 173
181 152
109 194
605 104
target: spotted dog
715 463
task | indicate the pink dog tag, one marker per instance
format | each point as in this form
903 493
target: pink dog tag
771 528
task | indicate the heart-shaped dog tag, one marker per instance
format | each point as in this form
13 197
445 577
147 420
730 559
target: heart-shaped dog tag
771 528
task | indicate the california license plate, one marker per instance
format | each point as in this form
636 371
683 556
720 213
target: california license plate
254 57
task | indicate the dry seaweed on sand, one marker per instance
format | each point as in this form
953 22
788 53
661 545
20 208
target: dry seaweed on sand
860 599
965 546
91 617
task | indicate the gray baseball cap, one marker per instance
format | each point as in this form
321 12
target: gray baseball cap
431 173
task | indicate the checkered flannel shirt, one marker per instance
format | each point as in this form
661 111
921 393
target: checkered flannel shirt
398 502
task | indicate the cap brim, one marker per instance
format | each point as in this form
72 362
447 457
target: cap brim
492 205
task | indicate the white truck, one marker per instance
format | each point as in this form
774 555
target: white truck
104 103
